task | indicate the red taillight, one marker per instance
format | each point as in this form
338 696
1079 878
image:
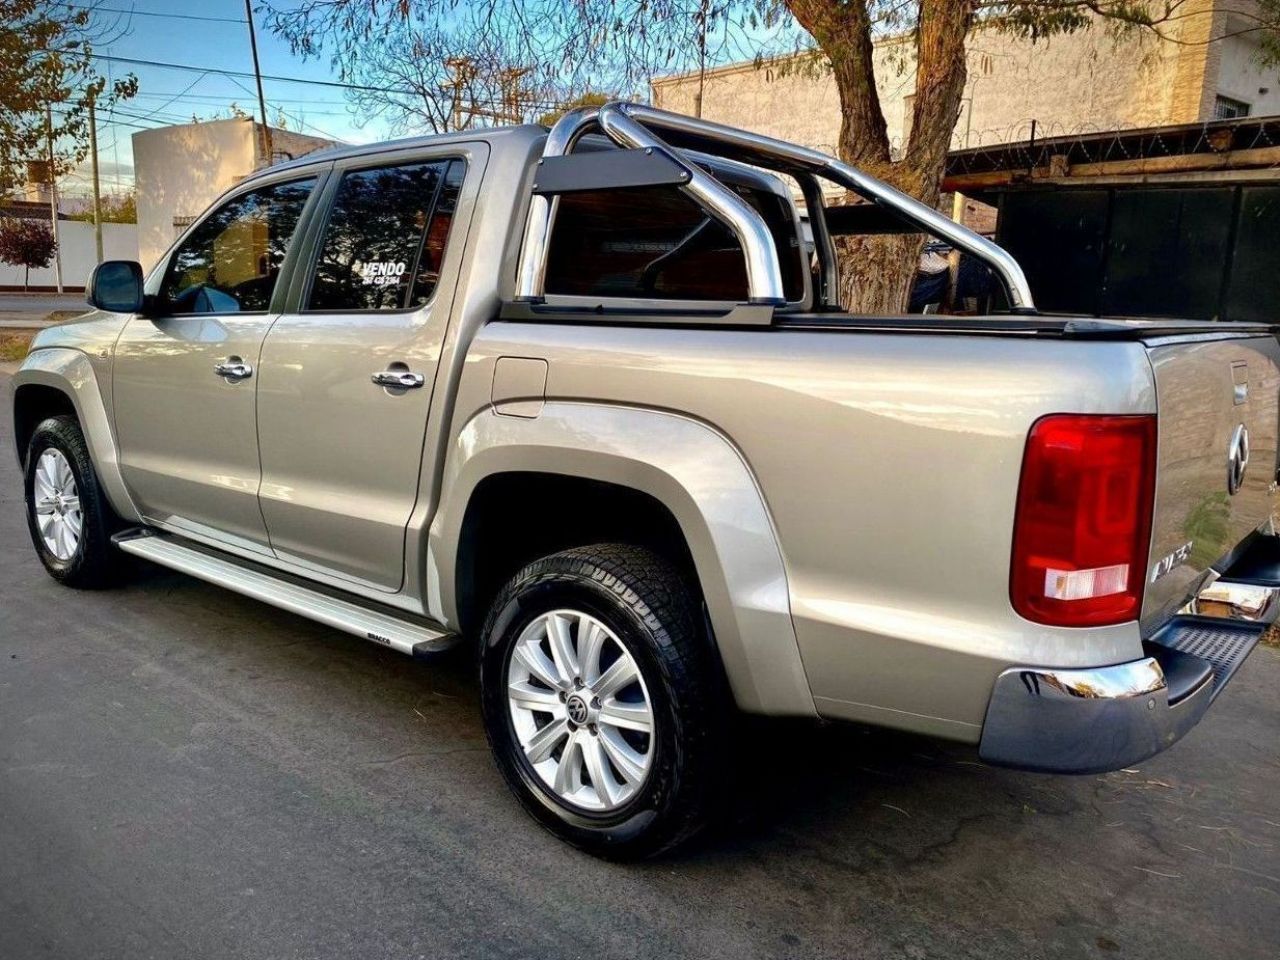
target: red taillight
1080 536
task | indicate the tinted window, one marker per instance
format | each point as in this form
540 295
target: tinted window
386 235
657 242
231 260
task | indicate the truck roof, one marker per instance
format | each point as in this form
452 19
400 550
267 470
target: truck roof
519 136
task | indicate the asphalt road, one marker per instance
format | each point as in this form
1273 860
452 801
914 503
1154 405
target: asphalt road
41 303
28 310
185 773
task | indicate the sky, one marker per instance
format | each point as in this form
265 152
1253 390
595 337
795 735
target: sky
219 40
214 34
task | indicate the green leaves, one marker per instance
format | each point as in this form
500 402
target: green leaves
46 78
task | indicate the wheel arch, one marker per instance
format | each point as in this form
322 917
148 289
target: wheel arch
688 483
499 535
62 381
34 403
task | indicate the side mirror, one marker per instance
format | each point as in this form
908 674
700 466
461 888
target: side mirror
116 285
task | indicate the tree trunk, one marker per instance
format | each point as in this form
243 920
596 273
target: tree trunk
877 271
26 279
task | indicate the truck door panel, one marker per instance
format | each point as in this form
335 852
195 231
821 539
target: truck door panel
184 375
347 381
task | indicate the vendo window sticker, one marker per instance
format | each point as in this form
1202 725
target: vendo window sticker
382 273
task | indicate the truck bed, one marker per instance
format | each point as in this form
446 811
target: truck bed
1001 325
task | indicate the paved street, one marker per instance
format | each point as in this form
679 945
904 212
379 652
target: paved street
17 302
185 773
27 310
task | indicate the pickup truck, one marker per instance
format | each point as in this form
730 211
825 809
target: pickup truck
586 398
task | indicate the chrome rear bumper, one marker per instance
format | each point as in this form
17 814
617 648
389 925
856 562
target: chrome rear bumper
1106 718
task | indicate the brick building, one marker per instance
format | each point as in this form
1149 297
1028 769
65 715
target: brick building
1079 83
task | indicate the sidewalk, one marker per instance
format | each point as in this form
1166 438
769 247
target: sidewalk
29 311
25 321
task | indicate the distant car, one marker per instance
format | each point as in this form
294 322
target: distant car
585 399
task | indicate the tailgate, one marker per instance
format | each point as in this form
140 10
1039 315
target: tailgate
1218 405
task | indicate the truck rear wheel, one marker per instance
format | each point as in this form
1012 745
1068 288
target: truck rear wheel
601 699
67 513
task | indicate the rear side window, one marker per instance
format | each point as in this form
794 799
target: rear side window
655 242
230 262
385 239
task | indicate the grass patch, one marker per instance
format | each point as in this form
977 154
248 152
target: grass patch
14 346
57 316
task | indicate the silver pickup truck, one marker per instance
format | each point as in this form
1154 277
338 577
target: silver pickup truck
586 398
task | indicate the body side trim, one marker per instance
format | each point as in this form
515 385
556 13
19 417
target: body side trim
692 470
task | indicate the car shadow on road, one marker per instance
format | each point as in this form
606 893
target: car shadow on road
782 779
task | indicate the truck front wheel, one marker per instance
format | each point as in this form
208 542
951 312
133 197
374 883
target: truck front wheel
67 513
601 699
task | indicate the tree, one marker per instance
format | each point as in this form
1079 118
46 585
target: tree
422 76
119 209
26 243
613 43
582 100
46 63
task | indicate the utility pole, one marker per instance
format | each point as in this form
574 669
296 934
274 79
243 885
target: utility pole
53 197
257 75
97 189
461 73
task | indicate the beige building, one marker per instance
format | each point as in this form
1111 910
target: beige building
180 170
1072 84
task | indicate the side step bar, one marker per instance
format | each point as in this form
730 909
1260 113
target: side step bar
382 628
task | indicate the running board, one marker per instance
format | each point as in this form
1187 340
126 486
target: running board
385 629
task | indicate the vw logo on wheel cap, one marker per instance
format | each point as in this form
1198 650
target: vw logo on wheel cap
576 707
1237 458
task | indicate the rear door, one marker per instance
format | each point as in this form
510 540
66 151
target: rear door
347 379
184 375
1218 410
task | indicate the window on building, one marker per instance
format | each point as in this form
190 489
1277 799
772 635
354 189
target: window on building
385 239
655 242
230 262
1228 108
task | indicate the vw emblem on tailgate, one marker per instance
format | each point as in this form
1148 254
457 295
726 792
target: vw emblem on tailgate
1237 458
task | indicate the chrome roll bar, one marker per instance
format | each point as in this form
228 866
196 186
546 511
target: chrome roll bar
531 275
764 272
631 124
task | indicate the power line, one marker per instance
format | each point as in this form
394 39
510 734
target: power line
406 91
250 76
148 13
304 123
177 96
156 95
121 123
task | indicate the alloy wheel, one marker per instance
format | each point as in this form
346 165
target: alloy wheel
580 710
56 502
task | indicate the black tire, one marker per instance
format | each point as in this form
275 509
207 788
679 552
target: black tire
94 563
653 613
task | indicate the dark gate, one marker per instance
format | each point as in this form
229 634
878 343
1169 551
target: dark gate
1200 252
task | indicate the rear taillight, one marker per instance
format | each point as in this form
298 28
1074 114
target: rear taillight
1080 536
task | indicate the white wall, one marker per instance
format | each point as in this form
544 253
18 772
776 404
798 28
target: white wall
77 254
180 170
1240 77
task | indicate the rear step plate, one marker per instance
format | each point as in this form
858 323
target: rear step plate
381 628
1224 644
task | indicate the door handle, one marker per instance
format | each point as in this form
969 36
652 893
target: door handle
233 369
402 379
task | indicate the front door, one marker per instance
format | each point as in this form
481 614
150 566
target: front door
347 380
184 375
